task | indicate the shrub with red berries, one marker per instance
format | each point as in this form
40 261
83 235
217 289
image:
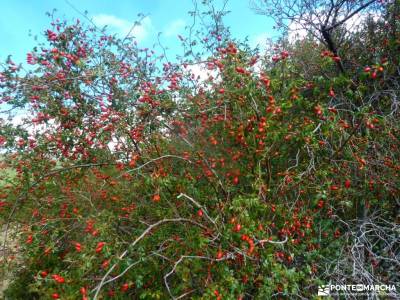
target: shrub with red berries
134 179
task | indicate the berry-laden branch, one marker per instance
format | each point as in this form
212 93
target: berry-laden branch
137 240
183 257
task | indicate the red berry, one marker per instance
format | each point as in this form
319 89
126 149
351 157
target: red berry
334 188
347 183
156 198
238 227
100 246
78 247
124 287
43 274
245 237
29 239
58 278
240 70
320 203
105 264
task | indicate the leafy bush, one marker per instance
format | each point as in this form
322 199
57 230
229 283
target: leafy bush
135 180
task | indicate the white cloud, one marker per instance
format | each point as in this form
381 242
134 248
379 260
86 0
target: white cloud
259 40
201 72
174 27
354 23
298 30
124 27
23 119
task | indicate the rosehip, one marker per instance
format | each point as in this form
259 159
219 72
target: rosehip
43 274
240 70
124 287
238 227
334 188
105 264
29 239
320 203
347 183
58 278
100 246
78 247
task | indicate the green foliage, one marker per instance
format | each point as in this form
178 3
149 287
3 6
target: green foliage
149 184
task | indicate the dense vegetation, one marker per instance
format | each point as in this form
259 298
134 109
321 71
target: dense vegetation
131 178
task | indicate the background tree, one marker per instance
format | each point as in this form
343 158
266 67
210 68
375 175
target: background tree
327 21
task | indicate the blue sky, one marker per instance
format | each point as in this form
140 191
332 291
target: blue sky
19 17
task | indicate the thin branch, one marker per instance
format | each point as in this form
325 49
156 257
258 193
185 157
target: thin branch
137 240
351 15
